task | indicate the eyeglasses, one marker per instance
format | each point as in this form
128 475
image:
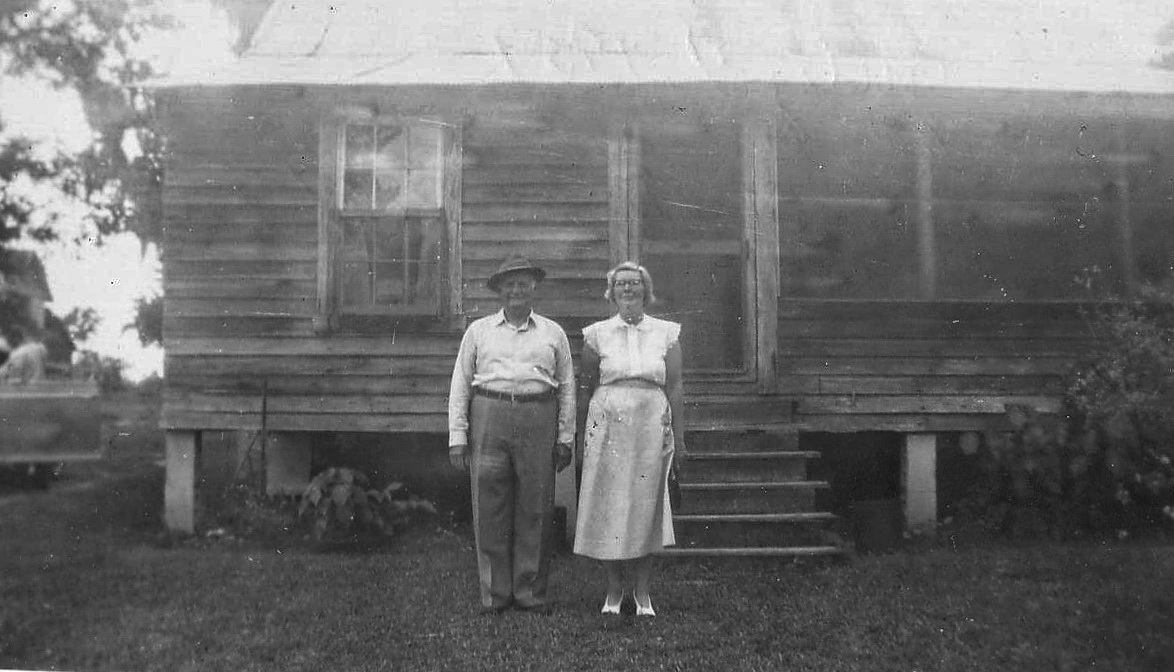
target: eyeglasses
624 284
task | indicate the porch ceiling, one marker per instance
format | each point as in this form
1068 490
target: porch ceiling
1053 45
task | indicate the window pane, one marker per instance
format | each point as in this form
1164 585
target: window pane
356 189
425 237
389 190
390 154
360 146
355 253
424 149
423 189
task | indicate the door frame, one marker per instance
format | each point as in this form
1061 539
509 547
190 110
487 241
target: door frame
760 238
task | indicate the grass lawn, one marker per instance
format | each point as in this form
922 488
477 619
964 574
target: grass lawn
86 583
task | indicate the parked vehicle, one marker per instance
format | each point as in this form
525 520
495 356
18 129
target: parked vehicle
43 425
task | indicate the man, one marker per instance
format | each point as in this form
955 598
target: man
511 416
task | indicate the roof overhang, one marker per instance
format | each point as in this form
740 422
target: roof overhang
1049 45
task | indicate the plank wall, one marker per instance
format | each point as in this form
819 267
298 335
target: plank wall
240 263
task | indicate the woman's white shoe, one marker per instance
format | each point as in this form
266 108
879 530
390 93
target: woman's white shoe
610 608
645 609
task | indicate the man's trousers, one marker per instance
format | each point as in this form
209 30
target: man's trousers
513 497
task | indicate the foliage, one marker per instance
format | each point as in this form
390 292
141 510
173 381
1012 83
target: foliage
339 506
1042 478
58 337
150 387
86 46
1108 460
1124 396
107 371
148 320
81 323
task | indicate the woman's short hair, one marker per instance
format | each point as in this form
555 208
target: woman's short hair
645 276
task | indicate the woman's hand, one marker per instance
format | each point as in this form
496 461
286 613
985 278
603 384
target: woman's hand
679 457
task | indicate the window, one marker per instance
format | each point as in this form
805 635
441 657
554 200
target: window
387 218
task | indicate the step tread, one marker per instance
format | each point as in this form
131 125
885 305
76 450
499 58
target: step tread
811 516
771 551
755 455
744 485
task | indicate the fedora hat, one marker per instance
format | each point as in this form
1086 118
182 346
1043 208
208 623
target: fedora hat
513 264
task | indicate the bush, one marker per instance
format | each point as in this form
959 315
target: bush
1042 478
340 507
1108 460
1123 397
106 371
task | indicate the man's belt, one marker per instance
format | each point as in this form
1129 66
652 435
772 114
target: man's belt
516 398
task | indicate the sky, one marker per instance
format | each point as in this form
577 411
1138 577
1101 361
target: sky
109 276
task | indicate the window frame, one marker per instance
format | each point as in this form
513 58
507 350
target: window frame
331 315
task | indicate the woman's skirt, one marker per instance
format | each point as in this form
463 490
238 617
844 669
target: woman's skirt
624 509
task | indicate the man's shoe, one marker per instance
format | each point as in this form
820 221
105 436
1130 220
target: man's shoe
495 609
541 608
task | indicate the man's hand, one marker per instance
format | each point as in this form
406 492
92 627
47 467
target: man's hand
562 456
459 456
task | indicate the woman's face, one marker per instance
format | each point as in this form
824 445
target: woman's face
628 290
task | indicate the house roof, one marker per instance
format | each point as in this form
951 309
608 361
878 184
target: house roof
1060 45
21 273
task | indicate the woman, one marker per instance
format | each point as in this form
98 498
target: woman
634 432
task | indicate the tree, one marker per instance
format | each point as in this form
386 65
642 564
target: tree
85 46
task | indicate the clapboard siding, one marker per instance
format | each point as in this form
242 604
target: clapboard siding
240 254
241 250
541 192
896 364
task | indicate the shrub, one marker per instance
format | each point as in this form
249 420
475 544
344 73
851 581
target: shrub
106 371
1123 395
1106 461
340 507
1042 478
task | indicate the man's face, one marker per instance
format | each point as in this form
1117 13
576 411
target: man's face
516 290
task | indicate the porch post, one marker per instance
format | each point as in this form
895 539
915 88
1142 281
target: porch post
287 463
179 491
919 481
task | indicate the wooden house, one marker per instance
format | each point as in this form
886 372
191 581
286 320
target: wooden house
869 217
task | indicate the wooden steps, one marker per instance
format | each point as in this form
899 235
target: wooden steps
747 493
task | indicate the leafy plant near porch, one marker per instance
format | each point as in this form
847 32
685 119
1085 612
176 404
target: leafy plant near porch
339 506
1124 395
1108 461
